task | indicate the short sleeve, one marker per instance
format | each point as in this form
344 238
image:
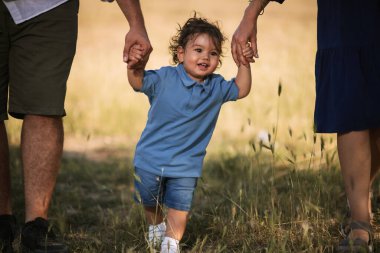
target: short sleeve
151 83
230 90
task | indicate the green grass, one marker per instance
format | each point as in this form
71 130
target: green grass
243 203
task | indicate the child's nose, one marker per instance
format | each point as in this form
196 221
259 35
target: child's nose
206 56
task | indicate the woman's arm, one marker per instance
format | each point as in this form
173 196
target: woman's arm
247 31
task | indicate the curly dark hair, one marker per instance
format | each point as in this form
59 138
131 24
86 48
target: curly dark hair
191 28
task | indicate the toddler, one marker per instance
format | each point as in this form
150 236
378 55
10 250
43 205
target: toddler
185 102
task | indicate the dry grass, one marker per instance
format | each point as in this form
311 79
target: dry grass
101 103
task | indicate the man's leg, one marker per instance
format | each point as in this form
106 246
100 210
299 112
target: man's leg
41 147
41 151
5 185
7 221
5 180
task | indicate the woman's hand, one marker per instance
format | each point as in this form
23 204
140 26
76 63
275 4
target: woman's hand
246 32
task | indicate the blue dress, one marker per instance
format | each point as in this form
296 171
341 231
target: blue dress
347 68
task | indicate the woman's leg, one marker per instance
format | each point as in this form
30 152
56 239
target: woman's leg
375 152
375 158
354 149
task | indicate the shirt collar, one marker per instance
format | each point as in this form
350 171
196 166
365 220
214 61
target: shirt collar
188 82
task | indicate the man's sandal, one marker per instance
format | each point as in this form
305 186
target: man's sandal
358 245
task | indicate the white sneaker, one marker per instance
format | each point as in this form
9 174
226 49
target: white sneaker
170 245
156 234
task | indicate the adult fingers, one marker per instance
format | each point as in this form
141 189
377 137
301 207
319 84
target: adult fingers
242 59
248 55
144 46
127 46
253 42
234 52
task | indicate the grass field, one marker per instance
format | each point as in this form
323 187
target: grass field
269 184
243 203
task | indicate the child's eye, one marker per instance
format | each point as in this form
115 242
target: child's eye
214 53
198 50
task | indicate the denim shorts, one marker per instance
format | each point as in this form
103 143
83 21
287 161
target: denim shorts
152 190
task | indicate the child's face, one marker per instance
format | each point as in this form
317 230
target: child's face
200 57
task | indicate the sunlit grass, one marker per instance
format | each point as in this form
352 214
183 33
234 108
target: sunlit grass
101 103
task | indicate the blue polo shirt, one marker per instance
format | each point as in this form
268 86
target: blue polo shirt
181 120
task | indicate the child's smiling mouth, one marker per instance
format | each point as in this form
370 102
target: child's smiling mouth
203 65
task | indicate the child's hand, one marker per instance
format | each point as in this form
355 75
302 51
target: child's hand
136 56
248 53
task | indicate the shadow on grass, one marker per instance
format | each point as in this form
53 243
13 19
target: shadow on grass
241 205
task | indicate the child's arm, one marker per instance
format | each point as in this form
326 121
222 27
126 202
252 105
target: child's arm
135 76
243 78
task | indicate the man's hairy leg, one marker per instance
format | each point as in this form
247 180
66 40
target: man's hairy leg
41 150
5 180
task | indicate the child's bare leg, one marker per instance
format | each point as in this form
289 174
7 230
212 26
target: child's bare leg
354 149
153 215
176 223
157 227
178 198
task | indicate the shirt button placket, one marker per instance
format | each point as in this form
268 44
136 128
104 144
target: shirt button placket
195 96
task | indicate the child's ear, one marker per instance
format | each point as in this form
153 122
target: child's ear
180 54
